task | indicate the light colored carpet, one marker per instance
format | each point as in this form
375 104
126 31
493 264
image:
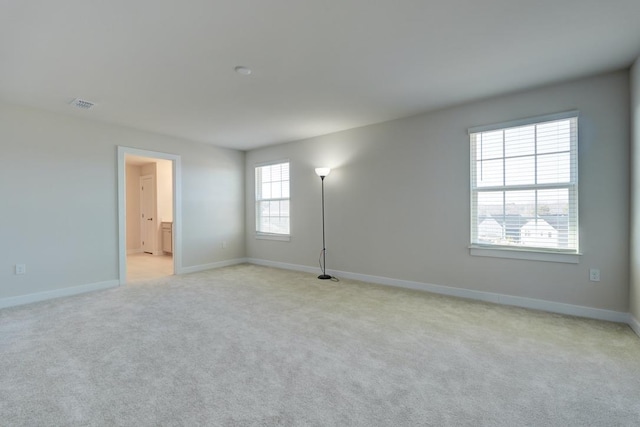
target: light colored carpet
255 346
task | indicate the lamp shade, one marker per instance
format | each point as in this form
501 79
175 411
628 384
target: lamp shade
322 172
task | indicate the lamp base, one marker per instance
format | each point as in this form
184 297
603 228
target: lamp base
324 277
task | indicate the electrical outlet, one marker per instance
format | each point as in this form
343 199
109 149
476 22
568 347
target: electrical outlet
21 269
594 274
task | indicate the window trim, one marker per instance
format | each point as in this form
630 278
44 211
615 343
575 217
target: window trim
273 236
524 122
525 254
261 235
572 256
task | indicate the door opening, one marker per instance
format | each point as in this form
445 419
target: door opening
149 214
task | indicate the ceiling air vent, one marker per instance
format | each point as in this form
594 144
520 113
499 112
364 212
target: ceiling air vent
81 103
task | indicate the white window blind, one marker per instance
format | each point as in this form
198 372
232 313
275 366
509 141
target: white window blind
272 198
524 184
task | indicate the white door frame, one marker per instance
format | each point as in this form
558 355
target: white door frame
122 209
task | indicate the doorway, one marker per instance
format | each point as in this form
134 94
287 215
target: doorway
149 214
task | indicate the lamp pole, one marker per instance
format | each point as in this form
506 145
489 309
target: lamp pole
322 173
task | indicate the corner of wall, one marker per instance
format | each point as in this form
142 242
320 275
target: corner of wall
634 262
634 324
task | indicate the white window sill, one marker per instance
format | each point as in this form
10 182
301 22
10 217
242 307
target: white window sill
277 237
525 254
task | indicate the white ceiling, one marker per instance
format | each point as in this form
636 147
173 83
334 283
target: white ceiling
318 66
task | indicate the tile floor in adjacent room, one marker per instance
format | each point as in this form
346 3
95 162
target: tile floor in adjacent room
143 266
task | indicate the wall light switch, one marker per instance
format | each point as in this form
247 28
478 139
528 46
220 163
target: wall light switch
594 274
224 245
21 268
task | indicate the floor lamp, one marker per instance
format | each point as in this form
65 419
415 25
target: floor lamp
323 173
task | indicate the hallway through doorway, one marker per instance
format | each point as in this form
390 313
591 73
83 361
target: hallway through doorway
142 266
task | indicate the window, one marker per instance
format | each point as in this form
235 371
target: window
272 199
524 185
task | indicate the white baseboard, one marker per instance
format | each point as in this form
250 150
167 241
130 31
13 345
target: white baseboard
635 325
286 266
57 293
219 264
536 304
134 251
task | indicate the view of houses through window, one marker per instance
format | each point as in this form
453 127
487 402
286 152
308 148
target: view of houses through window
524 185
272 198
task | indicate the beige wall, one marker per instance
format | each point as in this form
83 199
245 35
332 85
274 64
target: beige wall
133 173
398 198
164 187
59 215
148 169
635 192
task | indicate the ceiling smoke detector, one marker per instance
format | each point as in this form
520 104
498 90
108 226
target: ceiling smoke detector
81 103
241 69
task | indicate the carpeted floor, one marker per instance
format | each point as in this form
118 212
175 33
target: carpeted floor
254 346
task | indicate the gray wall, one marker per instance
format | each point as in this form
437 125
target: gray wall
635 192
398 198
58 187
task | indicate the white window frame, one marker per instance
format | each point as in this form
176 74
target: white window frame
265 235
527 253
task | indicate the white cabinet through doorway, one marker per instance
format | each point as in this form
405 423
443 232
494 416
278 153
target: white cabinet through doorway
167 237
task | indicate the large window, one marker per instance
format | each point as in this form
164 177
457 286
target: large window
524 184
272 199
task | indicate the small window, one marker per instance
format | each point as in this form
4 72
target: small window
272 199
524 184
